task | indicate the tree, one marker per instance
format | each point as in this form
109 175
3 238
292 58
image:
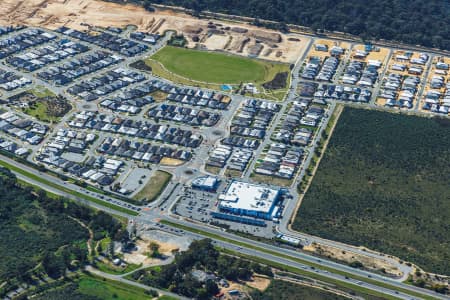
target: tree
244 274
211 288
99 248
111 249
53 265
122 236
154 249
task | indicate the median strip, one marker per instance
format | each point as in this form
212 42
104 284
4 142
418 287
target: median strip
66 190
298 260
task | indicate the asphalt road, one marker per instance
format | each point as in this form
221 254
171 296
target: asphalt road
151 216
133 283
196 164
300 255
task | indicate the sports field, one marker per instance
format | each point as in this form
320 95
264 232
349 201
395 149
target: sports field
212 69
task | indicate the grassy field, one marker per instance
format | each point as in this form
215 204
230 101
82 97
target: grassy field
39 111
89 287
159 96
233 173
210 66
165 297
154 187
384 183
110 268
106 290
47 107
212 69
271 179
42 92
212 169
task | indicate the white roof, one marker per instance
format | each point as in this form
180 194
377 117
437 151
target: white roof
206 181
248 196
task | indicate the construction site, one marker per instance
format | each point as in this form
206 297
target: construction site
236 38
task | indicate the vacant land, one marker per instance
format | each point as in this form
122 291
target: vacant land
239 38
271 179
154 187
282 290
383 183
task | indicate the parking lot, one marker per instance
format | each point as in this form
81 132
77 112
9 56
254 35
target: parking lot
125 123
198 205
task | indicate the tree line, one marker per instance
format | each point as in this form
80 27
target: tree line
413 22
383 182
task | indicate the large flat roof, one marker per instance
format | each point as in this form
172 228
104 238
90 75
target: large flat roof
248 196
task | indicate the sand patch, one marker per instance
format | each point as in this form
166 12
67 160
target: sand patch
78 14
140 256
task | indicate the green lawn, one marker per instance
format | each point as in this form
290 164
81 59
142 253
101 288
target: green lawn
154 187
39 110
211 66
212 69
90 287
109 290
110 268
42 92
383 182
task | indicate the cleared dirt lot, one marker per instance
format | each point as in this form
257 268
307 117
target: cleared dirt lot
380 55
329 43
211 34
349 257
140 256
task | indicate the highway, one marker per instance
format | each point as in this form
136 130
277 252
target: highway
298 255
169 197
151 217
